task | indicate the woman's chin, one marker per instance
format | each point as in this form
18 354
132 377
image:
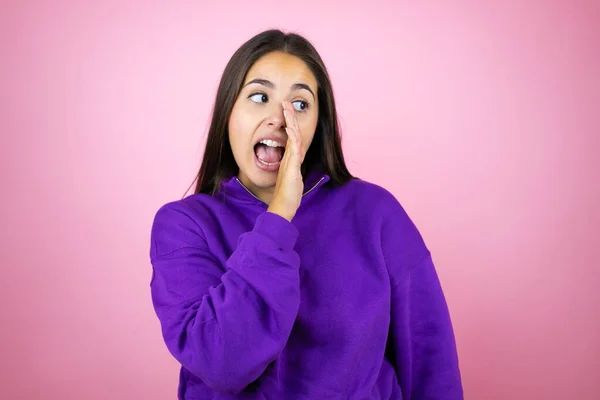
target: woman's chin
260 179
264 182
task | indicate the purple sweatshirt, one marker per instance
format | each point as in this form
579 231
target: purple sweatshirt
341 303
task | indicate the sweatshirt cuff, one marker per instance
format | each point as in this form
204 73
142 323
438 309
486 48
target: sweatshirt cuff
278 229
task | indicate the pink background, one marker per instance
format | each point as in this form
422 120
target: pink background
482 117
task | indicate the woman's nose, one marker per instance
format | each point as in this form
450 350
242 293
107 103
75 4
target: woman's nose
276 120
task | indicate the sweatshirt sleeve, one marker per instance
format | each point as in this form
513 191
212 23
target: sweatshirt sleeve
421 343
224 324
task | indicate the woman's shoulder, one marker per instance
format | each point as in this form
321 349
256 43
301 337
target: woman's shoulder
189 204
369 194
193 210
386 211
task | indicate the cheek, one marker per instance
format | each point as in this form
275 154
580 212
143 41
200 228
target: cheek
234 122
237 128
241 122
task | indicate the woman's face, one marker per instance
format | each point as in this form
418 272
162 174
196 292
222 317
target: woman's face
258 114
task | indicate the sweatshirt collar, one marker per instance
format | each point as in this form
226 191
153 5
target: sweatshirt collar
232 187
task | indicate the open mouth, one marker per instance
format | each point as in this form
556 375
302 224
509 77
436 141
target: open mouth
269 152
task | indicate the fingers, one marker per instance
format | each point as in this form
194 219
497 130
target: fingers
290 119
290 115
292 129
293 152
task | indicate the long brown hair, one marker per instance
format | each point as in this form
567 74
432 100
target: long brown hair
218 162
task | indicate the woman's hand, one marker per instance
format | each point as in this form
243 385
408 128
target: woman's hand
289 186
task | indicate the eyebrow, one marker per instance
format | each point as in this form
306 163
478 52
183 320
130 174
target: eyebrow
271 85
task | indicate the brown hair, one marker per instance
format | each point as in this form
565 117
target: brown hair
218 162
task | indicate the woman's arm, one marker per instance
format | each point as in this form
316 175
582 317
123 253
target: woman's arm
421 344
224 327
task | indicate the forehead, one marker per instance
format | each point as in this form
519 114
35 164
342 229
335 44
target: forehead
279 67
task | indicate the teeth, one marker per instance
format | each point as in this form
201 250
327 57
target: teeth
271 143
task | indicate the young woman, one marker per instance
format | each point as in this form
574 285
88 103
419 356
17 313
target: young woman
283 276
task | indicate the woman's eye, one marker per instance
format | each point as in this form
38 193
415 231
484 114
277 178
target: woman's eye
300 105
259 98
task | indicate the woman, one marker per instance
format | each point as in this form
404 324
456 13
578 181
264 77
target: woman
282 276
